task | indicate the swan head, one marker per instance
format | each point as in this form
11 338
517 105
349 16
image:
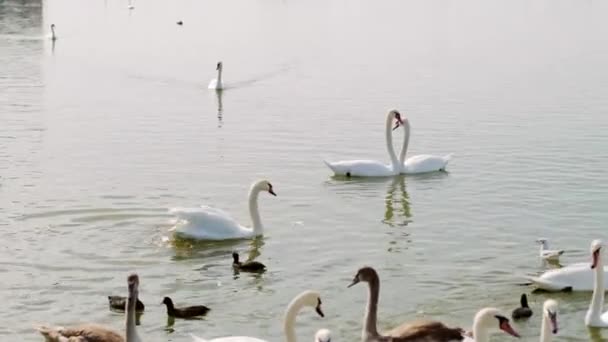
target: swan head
550 311
52 26
264 185
491 318
310 298
596 250
366 274
133 281
219 66
397 116
323 335
167 301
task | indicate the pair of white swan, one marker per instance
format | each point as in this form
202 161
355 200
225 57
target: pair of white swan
94 332
306 298
208 223
370 168
217 82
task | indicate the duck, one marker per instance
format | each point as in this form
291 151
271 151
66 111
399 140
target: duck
180 23
546 253
90 332
247 266
485 320
186 312
120 303
524 311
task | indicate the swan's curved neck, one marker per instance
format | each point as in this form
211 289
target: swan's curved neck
545 329
290 318
389 142
597 300
406 141
219 75
131 334
53 31
254 212
371 312
480 333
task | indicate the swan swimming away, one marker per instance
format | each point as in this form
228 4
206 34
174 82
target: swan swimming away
421 163
485 321
372 168
594 316
94 332
549 323
546 253
207 223
575 277
306 298
216 83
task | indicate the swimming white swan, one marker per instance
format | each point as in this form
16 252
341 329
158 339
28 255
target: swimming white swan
372 168
217 82
306 298
485 321
575 277
546 253
421 163
94 332
323 335
549 323
595 317
53 34
207 223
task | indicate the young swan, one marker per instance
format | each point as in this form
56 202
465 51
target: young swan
594 317
549 324
93 332
430 331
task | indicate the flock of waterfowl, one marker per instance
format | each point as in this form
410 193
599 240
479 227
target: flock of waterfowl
208 223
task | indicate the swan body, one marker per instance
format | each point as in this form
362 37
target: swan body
306 298
207 223
371 168
422 163
575 277
548 254
216 83
431 331
94 332
594 316
549 323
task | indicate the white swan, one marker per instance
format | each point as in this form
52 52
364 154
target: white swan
575 277
488 320
217 82
207 223
306 298
94 332
549 323
53 35
372 168
595 317
323 335
421 163
546 253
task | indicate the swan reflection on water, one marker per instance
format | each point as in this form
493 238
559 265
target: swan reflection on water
397 199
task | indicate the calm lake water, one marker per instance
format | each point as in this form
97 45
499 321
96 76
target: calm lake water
106 129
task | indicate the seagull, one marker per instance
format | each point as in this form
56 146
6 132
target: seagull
546 253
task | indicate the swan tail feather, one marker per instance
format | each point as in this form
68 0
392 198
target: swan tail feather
329 165
197 339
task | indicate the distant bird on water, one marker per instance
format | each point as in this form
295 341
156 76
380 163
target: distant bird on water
185 312
546 253
247 266
180 23
524 311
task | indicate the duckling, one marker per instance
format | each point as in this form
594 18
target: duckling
120 303
247 266
187 312
524 311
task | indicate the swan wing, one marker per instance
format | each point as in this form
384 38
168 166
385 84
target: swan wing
207 223
227 339
213 84
425 163
361 168
84 332
426 330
